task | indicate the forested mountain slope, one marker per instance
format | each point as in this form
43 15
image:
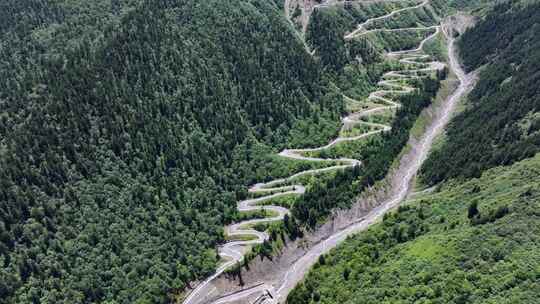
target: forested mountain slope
127 131
501 122
471 242
473 239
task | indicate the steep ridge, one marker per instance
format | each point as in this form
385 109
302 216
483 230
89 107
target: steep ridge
501 124
392 84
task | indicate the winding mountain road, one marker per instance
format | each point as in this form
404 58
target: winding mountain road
301 266
392 84
363 27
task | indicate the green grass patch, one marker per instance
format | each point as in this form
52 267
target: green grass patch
431 250
243 237
286 201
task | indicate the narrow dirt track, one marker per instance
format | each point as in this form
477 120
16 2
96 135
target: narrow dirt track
391 84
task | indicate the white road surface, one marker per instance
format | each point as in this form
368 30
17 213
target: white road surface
391 85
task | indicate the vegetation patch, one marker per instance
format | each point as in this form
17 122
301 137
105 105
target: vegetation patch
430 251
430 248
490 132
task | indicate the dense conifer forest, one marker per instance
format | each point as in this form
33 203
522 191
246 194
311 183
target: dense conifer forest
501 122
129 129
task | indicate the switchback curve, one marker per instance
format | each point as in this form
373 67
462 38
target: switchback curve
392 84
